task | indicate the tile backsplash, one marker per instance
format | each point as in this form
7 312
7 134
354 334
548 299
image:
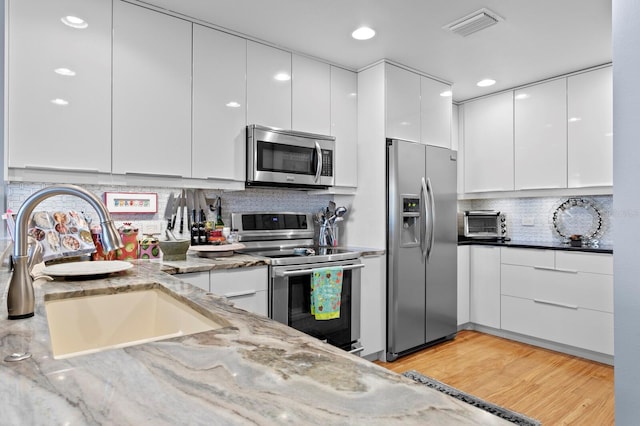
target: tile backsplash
531 219
250 200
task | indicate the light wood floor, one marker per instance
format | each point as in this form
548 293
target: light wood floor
555 388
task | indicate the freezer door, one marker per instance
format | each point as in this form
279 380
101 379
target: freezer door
406 317
441 288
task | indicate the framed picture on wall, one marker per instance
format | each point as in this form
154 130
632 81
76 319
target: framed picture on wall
131 202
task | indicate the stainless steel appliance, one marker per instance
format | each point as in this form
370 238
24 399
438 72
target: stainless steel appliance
482 224
285 158
422 246
287 240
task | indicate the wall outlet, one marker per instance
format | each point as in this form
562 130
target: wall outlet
528 221
151 227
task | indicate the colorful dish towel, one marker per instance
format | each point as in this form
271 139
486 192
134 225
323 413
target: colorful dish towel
326 293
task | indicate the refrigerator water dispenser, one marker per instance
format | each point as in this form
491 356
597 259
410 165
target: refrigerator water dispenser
410 235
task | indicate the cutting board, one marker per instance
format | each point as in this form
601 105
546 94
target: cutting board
217 250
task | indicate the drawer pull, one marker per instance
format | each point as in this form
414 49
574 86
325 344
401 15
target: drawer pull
546 268
562 305
240 294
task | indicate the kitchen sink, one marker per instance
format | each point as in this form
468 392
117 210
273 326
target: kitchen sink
88 324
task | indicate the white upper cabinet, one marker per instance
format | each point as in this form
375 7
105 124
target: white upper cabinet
541 136
403 103
311 90
219 105
344 119
488 144
151 92
268 86
435 112
59 85
590 121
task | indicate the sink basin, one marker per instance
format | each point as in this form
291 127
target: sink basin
88 324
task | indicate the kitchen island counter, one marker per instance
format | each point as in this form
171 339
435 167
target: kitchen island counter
251 371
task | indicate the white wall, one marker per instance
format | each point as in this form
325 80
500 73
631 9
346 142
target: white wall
626 205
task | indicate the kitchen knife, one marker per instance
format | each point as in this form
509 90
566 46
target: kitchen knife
203 206
189 207
182 205
168 211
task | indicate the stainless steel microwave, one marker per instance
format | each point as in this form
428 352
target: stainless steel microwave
482 224
286 158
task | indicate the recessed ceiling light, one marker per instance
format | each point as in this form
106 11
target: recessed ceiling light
233 104
486 82
59 101
74 22
446 94
283 76
65 71
363 33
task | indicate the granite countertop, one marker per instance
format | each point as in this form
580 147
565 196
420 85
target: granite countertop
602 248
251 371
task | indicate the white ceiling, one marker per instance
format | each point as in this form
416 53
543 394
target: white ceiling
538 39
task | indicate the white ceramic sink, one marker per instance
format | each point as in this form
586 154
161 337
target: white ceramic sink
82 325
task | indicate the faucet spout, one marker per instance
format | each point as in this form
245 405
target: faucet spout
20 297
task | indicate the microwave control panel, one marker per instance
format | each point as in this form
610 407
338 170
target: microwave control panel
327 162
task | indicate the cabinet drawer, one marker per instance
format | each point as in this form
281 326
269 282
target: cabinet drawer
237 282
598 263
581 328
527 257
584 290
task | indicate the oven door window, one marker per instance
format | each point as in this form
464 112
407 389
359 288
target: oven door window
335 331
281 158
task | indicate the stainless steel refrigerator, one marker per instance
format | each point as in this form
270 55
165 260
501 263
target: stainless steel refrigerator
421 246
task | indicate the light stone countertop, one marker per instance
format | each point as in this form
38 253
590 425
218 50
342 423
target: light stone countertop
251 371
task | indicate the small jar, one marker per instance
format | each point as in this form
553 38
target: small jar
149 247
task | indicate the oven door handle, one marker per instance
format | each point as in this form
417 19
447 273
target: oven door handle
295 272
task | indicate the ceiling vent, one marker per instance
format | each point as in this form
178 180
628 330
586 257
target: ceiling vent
474 22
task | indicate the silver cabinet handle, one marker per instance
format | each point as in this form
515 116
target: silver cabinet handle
546 268
319 166
312 270
560 304
357 349
167 175
240 294
61 169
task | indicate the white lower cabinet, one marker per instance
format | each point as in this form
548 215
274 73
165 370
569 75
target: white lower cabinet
563 297
245 287
373 311
463 284
199 279
484 285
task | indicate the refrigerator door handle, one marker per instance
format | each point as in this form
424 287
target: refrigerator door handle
431 218
424 219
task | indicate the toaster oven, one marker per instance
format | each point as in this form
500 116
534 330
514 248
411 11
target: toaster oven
482 224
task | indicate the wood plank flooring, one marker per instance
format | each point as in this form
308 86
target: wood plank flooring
555 388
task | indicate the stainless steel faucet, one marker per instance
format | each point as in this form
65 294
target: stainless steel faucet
20 298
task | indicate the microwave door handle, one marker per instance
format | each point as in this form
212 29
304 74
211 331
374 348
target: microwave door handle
432 217
423 218
318 161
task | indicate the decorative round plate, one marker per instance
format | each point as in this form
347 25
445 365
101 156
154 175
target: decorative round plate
577 216
76 269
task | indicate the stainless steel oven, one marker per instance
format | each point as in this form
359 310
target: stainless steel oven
286 158
287 240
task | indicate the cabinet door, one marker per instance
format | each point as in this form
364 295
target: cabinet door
463 284
403 103
373 311
435 112
151 92
59 85
198 279
541 136
219 105
311 91
268 86
488 144
245 287
484 287
344 125
590 150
